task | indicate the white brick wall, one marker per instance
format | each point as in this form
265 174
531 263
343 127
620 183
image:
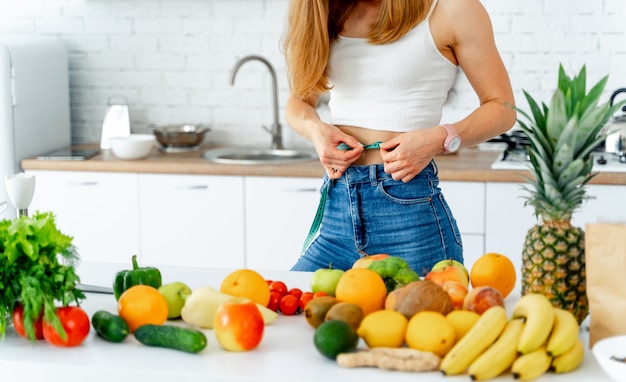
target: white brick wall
171 58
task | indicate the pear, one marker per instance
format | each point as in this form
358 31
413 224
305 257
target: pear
201 306
173 293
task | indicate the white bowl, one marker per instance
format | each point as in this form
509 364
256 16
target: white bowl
134 146
610 347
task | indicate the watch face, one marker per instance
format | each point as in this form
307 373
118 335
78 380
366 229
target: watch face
454 144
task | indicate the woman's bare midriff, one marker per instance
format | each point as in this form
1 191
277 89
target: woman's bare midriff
367 136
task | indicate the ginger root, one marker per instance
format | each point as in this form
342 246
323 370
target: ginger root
402 359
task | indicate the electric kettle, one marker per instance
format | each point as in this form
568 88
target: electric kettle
116 121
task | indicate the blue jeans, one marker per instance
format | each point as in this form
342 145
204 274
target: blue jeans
368 212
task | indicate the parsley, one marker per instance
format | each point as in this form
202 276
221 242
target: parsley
36 270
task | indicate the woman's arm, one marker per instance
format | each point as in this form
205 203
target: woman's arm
463 33
302 116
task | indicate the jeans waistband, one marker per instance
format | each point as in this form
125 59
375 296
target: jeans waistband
373 173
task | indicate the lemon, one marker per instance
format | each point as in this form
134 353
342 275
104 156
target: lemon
383 328
430 331
462 320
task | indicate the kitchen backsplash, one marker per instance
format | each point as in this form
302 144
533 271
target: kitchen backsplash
171 59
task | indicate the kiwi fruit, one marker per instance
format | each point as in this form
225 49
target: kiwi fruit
316 309
347 312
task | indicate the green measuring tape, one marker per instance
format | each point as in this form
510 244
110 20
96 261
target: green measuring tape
317 221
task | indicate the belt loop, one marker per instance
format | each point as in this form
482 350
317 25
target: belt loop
373 174
435 168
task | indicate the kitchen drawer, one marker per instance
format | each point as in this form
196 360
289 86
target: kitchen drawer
192 220
98 209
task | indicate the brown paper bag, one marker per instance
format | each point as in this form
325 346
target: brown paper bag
605 258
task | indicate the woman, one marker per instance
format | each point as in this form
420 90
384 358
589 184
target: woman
388 66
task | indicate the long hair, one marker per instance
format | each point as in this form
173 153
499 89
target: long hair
313 26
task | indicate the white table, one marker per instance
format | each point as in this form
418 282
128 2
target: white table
286 353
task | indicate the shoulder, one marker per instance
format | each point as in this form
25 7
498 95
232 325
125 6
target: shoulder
460 19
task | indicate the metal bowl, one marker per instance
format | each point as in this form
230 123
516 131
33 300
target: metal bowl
180 136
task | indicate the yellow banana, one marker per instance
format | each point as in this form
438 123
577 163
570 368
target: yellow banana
484 332
569 360
538 313
564 333
499 356
531 365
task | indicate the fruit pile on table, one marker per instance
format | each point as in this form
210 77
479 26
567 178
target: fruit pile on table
380 313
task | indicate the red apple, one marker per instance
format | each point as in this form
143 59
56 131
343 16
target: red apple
482 298
456 291
447 262
448 273
238 325
366 260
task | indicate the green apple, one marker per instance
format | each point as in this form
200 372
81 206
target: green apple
325 280
172 294
444 263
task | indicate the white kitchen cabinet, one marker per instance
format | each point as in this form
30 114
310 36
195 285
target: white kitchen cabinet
192 220
98 209
467 202
279 214
508 219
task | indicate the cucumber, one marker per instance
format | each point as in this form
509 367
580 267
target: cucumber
109 326
172 337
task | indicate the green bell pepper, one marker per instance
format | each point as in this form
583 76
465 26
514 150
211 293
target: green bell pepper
137 276
395 272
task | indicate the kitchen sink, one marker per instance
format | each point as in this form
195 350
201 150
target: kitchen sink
256 155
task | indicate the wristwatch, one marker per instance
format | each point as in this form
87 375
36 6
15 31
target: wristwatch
453 141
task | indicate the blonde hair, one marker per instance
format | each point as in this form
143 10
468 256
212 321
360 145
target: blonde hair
313 25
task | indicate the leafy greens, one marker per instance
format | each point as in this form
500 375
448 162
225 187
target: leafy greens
36 270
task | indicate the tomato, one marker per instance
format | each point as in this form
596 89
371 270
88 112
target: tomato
289 305
274 303
280 287
319 294
304 299
18 323
76 324
296 292
269 282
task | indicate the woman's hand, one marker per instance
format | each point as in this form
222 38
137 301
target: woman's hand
408 154
335 161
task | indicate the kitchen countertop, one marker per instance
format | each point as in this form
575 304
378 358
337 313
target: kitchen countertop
469 164
286 352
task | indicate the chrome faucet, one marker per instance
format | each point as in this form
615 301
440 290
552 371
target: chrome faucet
275 129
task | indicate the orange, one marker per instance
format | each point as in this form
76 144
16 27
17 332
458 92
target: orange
140 305
494 270
247 283
363 287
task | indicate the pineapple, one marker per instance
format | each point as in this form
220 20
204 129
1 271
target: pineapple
562 138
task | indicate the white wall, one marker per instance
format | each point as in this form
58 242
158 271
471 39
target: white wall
171 58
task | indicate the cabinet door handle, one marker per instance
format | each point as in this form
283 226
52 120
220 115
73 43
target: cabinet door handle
83 184
300 189
193 187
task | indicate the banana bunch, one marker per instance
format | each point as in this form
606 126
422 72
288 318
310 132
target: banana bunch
535 339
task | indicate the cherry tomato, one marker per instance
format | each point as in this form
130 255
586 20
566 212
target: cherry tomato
306 297
289 305
274 303
295 292
269 282
319 294
76 324
18 323
279 286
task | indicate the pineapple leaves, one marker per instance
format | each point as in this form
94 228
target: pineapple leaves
562 137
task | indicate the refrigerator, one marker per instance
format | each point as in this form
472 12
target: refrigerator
34 102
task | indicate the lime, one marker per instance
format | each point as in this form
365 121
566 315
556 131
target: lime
333 337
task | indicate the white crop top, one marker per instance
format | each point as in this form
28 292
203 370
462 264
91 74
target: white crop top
398 87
